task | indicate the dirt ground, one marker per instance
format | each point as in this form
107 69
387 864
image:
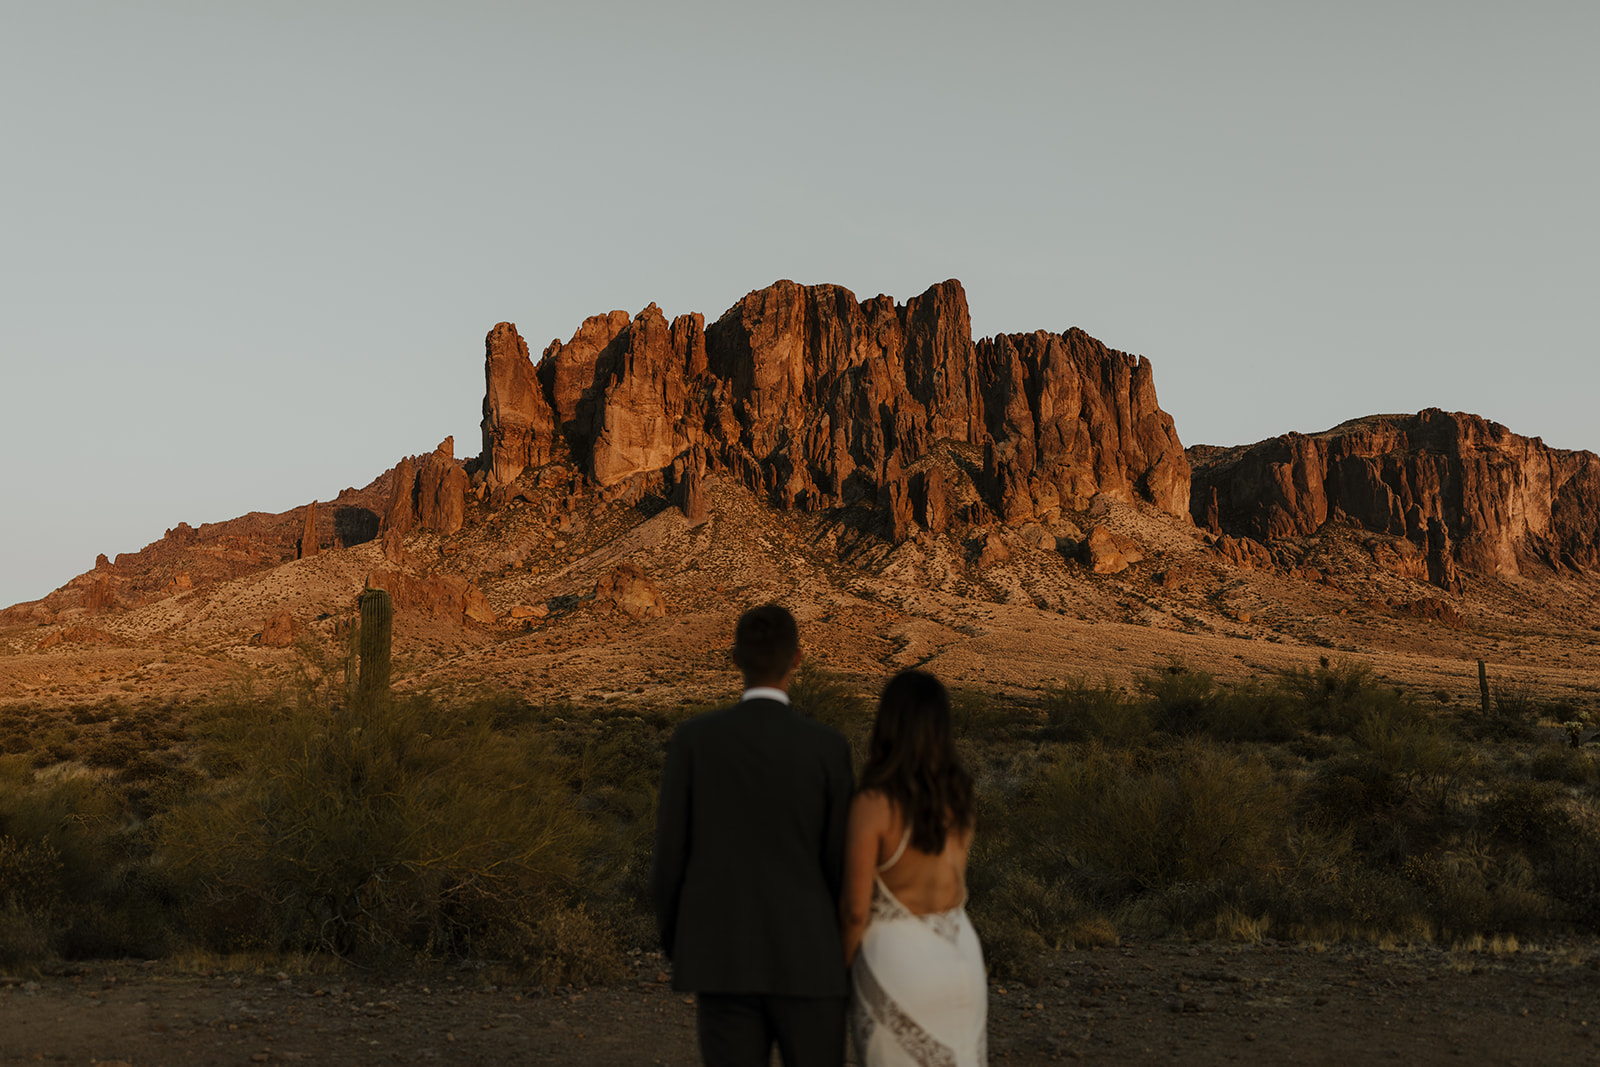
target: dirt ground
1140 1002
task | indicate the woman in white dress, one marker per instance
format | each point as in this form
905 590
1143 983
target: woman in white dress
919 996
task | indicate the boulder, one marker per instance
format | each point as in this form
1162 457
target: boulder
929 504
1244 552
992 549
692 494
476 606
278 632
435 596
1101 554
628 590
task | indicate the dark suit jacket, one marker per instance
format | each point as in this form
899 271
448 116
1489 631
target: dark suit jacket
749 854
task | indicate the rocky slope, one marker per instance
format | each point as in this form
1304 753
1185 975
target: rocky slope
1451 490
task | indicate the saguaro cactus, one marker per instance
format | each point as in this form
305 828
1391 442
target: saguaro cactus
377 618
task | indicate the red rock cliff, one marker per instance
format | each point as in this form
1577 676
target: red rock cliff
1468 490
818 400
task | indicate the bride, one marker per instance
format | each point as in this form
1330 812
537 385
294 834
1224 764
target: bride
919 997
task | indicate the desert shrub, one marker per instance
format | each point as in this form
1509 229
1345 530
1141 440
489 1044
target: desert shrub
1469 892
1525 814
1023 916
76 867
1252 711
1078 710
1026 897
1571 874
619 772
401 829
1336 696
1180 697
1516 702
1563 764
1411 748
556 946
1188 702
1192 814
977 717
835 700
1379 803
113 750
29 878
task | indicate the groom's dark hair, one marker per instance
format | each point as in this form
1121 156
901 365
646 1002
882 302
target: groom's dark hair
764 644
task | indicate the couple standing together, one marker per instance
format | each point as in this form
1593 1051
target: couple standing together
785 898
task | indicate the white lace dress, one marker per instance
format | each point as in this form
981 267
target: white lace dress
919 997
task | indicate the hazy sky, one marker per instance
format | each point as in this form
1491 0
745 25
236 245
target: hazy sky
249 251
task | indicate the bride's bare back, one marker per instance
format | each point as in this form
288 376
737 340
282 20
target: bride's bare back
924 882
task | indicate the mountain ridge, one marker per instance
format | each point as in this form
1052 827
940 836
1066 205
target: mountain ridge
951 503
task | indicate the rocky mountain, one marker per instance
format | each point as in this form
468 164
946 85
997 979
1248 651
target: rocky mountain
1448 489
816 401
1003 511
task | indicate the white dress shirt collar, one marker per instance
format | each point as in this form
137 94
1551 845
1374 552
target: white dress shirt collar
765 692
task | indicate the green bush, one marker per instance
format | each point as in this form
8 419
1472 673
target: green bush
75 871
1188 702
978 717
1081 711
404 829
1551 763
1411 748
1181 698
1192 814
1336 696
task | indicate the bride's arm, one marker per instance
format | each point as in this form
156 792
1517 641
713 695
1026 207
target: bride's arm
869 820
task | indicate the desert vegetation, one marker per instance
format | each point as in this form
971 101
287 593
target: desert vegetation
1318 805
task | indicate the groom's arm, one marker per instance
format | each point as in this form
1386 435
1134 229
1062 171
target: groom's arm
672 843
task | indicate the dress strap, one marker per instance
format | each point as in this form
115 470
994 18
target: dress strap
905 839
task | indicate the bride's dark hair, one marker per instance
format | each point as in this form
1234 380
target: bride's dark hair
911 757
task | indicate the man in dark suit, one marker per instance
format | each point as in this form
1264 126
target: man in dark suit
749 858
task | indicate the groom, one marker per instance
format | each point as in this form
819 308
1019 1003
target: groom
749 856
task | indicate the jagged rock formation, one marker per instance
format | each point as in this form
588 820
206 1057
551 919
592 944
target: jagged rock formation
399 516
308 535
518 424
441 492
1461 490
817 400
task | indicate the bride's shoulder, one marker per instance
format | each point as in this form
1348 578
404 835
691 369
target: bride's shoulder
872 805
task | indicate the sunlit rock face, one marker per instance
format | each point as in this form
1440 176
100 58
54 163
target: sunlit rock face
817 400
1467 492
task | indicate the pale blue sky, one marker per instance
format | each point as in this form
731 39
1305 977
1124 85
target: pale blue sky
248 252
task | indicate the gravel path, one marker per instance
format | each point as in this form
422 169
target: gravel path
1140 1003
